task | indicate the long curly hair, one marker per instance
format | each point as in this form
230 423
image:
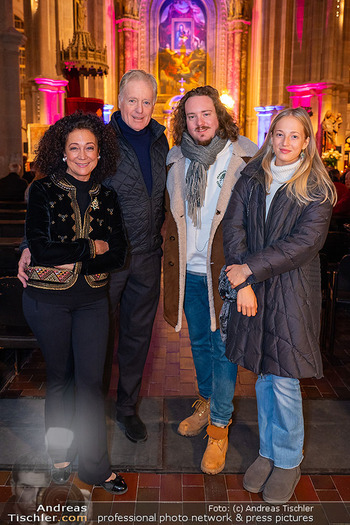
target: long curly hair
50 151
228 128
311 181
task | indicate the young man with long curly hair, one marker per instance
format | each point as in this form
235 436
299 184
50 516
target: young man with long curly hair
204 165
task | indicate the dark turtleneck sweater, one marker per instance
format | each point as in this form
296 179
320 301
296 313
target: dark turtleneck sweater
141 143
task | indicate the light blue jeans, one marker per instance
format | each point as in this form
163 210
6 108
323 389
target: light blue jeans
216 375
281 422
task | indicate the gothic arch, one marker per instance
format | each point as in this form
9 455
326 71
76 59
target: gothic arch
216 11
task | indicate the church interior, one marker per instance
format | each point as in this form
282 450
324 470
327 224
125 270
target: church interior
261 55
59 56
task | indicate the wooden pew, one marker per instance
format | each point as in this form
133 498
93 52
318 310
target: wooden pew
11 228
13 205
6 214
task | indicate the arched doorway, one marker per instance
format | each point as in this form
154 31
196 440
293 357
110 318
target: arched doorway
184 39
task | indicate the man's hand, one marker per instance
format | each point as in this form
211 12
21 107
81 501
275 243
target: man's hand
246 302
101 247
238 273
23 263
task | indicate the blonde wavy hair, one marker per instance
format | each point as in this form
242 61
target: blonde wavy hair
311 181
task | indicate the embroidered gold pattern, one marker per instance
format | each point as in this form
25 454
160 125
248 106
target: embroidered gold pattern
81 230
95 204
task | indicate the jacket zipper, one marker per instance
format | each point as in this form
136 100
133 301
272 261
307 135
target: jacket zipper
268 218
266 224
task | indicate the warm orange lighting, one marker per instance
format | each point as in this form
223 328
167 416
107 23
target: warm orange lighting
227 100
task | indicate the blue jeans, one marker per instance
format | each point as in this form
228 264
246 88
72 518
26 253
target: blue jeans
216 375
281 422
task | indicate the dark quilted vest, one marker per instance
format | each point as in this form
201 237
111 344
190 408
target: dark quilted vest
143 214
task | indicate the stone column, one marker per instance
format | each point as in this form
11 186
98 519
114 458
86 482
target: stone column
237 57
312 95
46 88
10 108
127 30
51 98
265 114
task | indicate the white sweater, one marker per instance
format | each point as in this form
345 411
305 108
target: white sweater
280 175
198 238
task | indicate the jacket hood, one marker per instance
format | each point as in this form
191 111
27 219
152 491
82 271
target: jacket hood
157 129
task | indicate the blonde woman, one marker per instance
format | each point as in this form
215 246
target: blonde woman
275 224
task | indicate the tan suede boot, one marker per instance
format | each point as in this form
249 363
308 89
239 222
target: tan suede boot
214 457
193 425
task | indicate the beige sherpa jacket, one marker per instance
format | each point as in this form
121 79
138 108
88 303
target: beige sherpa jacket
174 266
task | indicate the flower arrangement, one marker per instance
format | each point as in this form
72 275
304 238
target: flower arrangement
331 157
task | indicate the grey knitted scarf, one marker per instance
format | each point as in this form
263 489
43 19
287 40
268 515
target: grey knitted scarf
201 158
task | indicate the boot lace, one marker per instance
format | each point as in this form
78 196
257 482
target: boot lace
200 406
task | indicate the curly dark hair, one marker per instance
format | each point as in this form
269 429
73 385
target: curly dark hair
50 151
228 128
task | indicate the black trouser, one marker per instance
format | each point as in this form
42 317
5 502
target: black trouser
73 339
137 290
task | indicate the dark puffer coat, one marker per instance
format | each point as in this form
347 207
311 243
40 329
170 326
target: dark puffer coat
282 252
143 214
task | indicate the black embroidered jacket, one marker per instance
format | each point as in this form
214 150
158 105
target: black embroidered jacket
56 235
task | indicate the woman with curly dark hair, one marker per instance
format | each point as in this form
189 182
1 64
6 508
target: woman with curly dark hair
75 236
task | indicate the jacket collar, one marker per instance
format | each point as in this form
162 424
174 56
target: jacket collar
156 129
176 181
175 154
254 170
67 186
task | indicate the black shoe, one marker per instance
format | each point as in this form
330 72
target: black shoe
60 476
116 486
135 429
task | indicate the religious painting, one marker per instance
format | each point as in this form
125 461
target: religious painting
34 133
181 34
182 57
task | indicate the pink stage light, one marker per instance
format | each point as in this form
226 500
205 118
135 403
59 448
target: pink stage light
300 21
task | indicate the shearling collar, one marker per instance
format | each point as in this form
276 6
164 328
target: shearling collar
242 147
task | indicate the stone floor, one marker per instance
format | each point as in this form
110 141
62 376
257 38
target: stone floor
169 372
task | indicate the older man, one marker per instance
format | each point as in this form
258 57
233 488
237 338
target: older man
204 165
140 183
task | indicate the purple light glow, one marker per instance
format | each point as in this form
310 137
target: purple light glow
300 21
51 82
299 88
52 93
121 20
127 29
246 22
329 10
